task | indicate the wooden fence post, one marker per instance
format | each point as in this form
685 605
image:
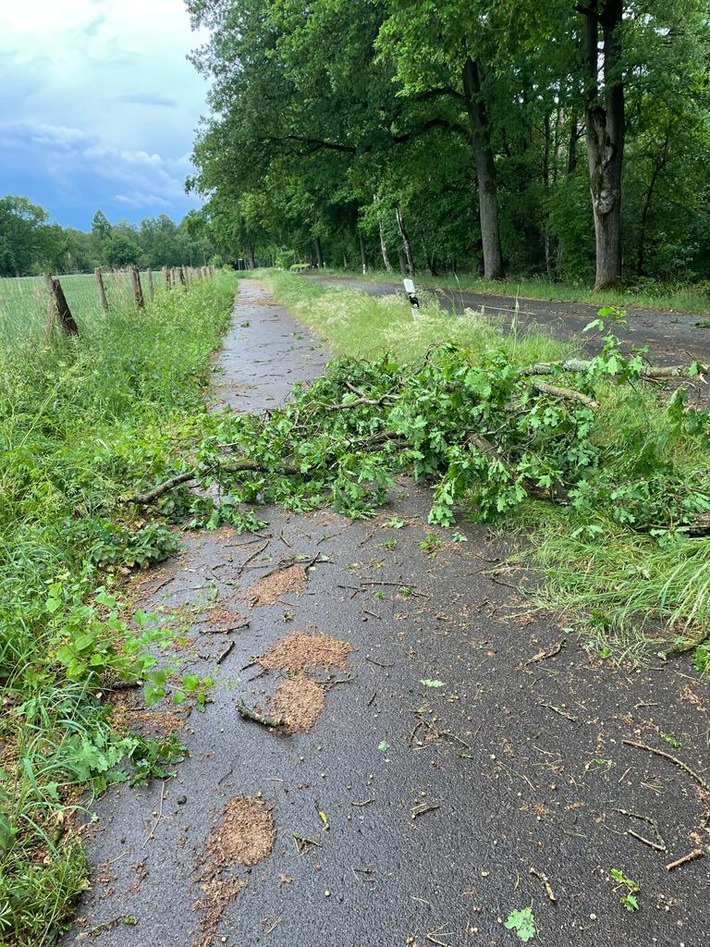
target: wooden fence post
151 284
166 276
102 289
181 274
61 308
137 288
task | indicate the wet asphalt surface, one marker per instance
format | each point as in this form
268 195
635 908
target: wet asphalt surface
673 338
518 752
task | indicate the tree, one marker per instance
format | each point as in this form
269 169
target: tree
21 235
120 250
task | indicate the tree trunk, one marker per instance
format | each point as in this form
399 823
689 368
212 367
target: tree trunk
605 125
485 171
251 262
658 166
405 241
383 249
363 254
319 254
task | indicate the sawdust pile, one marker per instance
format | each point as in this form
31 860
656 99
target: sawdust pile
301 650
245 835
128 712
268 590
299 702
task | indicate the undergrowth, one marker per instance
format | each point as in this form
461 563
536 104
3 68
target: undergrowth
83 423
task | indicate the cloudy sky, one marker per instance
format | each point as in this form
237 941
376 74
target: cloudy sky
98 107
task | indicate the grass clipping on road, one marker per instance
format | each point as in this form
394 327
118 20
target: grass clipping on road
628 471
83 422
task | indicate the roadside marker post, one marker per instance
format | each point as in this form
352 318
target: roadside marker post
411 292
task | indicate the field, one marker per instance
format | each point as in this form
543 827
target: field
24 302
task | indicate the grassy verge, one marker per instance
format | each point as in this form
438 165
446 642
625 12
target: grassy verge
612 551
83 423
681 298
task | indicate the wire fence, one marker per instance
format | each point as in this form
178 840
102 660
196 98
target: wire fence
32 307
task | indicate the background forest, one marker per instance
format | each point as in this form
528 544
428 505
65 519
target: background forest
561 139
29 244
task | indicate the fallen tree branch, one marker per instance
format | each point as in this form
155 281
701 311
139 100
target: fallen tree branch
568 393
578 365
239 466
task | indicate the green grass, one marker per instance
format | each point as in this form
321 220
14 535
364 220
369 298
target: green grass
83 423
635 588
681 298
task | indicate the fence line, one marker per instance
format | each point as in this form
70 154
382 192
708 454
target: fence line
28 303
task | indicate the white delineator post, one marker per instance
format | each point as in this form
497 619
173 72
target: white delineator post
411 292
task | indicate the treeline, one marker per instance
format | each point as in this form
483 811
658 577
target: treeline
29 244
565 139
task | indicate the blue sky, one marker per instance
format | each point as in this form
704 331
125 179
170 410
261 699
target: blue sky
98 107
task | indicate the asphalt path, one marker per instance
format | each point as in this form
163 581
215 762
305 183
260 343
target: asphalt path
472 759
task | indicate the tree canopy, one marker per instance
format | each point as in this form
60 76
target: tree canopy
562 139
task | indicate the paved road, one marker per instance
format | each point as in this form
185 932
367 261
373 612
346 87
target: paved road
468 760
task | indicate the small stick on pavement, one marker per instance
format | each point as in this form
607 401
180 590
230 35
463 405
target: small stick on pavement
224 653
151 834
691 856
646 841
674 759
248 714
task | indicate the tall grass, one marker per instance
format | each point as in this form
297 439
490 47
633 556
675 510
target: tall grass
83 422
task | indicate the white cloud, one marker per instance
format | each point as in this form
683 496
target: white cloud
107 83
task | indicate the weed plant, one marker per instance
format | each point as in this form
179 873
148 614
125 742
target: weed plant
83 423
616 554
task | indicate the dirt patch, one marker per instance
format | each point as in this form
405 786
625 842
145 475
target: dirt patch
299 702
128 712
268 590
244 837
301 650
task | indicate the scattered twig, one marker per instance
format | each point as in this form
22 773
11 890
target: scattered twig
560 711
423 808
246 562
228 650
302 843
646 841
661 846
361 805
674 759
691 856
546 653
224 631
226 775
435 940
159 816
372 661
248 714
549 891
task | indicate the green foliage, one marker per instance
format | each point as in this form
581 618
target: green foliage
523 923
628 898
